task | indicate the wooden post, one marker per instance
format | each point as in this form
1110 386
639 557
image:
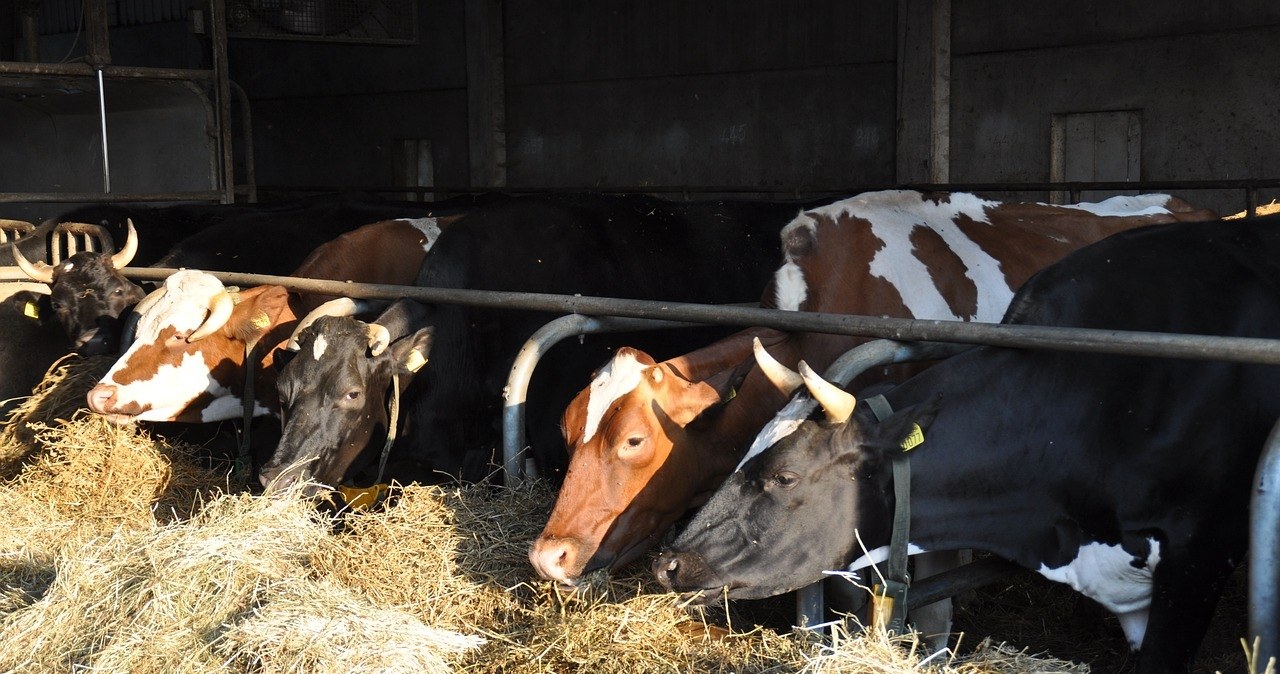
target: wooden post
486 99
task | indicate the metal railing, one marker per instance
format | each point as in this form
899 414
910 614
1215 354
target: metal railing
1265 542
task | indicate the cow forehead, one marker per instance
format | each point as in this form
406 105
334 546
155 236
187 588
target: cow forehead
620 376
783 424
184 305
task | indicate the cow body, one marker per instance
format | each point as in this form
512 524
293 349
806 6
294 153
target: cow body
893 253
1127 478
628 247
164 377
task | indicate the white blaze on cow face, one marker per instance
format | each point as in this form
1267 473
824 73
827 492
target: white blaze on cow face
1117 579
784 423
429 227
620 376
318 347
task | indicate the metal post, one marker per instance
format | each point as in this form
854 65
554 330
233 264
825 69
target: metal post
1264 554
222 95
102 118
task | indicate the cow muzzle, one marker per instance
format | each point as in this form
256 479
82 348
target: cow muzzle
103 399
558 559
686 572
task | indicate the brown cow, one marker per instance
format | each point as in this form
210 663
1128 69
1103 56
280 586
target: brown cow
648 441
187 362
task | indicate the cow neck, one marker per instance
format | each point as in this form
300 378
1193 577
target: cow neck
890 610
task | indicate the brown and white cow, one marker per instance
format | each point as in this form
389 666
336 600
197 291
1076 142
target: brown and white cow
187 360
648 441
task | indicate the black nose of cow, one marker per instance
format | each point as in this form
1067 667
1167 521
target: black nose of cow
682 571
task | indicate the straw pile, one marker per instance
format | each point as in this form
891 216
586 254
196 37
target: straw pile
120 553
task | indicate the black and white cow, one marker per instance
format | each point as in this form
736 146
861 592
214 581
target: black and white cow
630 247
1127 478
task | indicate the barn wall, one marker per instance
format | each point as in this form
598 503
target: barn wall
703 93
1196 73
757 92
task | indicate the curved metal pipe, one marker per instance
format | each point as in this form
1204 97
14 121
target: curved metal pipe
1264 553
517 388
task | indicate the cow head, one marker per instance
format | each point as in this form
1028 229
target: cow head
625 486
88 294
333 397
806 504
187 360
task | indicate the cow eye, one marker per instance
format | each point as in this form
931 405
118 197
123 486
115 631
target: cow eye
353 394
785 479
635 441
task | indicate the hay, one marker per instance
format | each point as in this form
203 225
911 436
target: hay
56 398
119 553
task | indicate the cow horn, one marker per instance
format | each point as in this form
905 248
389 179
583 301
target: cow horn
343 306
38 270
124 256
379 338
835 401
131 323
220 308
782 377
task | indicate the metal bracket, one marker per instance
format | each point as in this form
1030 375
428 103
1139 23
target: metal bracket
70 238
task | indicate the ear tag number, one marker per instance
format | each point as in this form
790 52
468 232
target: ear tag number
913 439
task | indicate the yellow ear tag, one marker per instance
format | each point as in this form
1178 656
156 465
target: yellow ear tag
913 439
414 361
261 320
360 498
31 310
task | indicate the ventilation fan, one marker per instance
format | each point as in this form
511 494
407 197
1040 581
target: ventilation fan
364 21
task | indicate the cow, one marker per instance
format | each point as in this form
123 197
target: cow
1127 478
32 341
188 360
629 247
89 293
650 440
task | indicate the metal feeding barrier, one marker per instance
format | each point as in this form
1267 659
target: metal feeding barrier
588 315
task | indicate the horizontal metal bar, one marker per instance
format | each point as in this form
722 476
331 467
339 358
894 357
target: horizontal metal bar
1091 340
1077 186
100 197
19 68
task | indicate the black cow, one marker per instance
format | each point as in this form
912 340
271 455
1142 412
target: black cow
1126 477
32 340
630 247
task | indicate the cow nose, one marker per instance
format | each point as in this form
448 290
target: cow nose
273 479
555 559
102 398
681 571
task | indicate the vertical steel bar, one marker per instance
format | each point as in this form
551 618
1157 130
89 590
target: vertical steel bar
1264 554
102 117
222 95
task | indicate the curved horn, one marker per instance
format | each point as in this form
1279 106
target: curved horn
782 377
38 270
835 401
379 338
131 323
125 255
343 306
220 308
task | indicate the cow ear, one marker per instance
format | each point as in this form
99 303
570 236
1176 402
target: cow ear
280 358
256 315
410 353
904 431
